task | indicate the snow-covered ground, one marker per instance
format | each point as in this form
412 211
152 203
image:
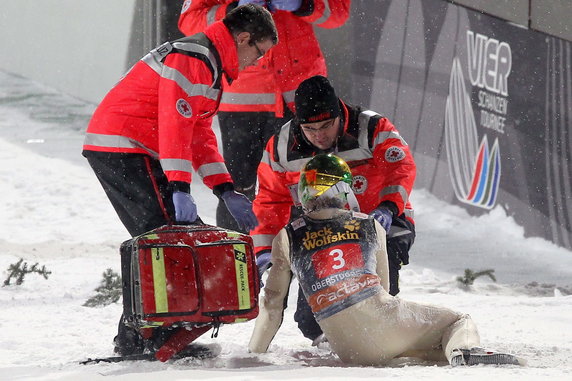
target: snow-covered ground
54 212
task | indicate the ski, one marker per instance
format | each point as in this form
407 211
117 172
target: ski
112 359
193 351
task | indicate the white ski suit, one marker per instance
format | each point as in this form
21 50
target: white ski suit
362 322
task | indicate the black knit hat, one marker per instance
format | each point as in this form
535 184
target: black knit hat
316 100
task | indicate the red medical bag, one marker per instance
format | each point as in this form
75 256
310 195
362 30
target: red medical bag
186 275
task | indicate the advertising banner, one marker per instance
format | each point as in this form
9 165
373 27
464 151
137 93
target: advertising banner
484 104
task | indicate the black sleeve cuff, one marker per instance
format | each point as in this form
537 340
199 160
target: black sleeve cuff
391 206
221 188
261 252
306 8
180 186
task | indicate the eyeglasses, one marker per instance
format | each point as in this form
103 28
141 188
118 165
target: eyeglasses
260 52
323 127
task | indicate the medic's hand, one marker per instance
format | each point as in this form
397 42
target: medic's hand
262 3
263 263
285 5
240 207
384 216
185 207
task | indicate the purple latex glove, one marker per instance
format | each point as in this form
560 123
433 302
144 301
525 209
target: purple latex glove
262 3
240 207
263 263
384 216
285 5
185 207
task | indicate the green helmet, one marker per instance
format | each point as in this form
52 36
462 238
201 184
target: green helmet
320 174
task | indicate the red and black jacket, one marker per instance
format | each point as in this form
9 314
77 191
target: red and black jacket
382 166
163 107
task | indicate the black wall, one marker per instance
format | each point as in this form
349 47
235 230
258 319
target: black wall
509 94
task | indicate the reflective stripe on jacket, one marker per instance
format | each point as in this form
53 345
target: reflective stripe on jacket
164 106
380 160
278 74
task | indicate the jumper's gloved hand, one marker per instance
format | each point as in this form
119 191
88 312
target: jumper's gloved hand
185 207
384 216
257 2
240 207
285 5
263 263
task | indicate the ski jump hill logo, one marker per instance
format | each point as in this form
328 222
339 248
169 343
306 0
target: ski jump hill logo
475 168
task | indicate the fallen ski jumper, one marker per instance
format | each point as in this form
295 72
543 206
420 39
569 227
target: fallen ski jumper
339 258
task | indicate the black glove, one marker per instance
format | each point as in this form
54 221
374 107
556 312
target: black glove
398 251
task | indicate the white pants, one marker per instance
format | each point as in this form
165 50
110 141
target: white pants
383 327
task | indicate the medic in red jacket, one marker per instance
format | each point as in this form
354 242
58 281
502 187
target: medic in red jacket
154 128
382 166
164 107
296 57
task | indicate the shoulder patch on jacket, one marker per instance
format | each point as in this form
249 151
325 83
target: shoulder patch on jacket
184 108
394 154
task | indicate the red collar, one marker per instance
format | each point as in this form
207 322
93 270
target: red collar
345 117
224 43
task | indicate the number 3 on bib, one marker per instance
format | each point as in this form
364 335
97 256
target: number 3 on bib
337 259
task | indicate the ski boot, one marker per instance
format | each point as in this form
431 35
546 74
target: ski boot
475 356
